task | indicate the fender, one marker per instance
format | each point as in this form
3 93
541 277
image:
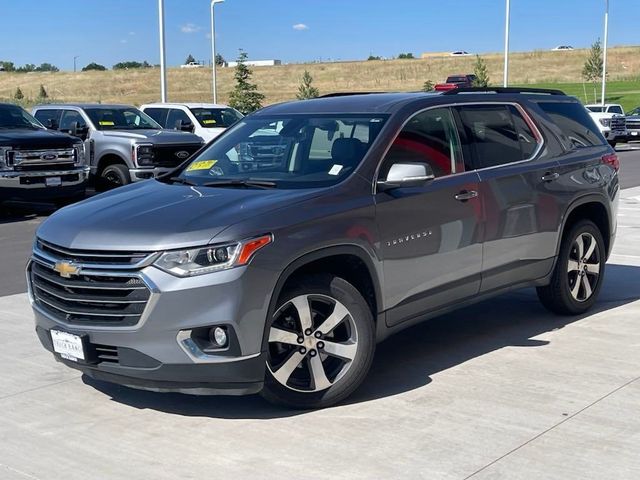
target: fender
319 255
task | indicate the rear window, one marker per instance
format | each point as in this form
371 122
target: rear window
578 128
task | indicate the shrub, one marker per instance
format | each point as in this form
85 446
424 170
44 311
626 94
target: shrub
245 96
306 90
94 66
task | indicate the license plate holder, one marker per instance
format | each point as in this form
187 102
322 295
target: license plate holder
69 346
53 181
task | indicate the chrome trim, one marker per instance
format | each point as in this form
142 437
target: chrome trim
198 356
47 173
528 120
73 312
84 300
35 157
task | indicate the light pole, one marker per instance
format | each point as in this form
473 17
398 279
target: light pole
604 56
507 20
74 62
213 50
163 56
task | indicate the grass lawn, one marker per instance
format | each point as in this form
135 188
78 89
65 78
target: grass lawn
626 93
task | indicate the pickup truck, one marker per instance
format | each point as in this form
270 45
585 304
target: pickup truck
36 164
610 120
192 65
123 144
456 81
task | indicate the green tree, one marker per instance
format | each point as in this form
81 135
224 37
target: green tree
8 66
428 86
94 66
190 59
374 57
47 67
18 95
306 90
220 61
131 65
481 72
27 68
592 69
42 94
406 56
245 96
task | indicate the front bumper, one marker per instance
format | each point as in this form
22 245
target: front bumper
26 184
157 354
139 174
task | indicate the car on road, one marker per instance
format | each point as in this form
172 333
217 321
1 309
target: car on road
207 120
192 65
610 120
455 81
562 48
632 120
459 53
371 213
123 144
36 164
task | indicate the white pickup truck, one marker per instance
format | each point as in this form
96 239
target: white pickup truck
610 120
192 65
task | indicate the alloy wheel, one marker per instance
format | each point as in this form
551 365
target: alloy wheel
313 340
583 268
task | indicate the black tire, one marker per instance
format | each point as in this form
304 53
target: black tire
319 288
113 176
557 296
613 143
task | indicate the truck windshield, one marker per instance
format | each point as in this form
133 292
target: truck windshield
14 117
297 151
216 117
596 109
121 118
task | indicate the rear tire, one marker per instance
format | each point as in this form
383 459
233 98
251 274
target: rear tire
577 277
321 343
113 176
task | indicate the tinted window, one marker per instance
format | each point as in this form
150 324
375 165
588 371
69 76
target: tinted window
528 141
176 117
429 137
158 114
492 133
576 124
120 118
616 109
14 117
45 116
595 109
216 117
69 117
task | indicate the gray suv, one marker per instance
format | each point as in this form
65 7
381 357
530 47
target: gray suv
278 257
123 144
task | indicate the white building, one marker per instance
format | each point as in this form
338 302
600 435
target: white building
257 63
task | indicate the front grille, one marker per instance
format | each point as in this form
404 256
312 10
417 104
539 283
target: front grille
106 354
89 299
52 159
169 156
92 257
618 123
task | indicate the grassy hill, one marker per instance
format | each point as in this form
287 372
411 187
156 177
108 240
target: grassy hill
281 83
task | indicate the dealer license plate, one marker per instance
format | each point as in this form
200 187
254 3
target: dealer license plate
68 345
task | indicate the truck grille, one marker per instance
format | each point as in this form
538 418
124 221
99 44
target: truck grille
89 299
54 159
618 123
170 156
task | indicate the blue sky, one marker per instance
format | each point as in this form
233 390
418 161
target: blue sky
109 31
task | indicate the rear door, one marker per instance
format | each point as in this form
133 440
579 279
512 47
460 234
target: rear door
49 117
431 235
158 114
518 183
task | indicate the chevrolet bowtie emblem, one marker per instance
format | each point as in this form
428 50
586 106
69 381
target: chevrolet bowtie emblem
66 269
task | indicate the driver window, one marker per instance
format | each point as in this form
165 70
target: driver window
177 118
69 117
429 137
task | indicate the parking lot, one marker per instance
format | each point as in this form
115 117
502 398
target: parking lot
498 390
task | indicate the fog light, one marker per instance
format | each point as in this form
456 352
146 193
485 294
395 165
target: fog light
218 336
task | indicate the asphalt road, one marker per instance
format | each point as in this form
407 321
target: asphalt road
19 223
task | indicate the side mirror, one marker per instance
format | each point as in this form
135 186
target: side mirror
78 131
52 124
184 126
405 175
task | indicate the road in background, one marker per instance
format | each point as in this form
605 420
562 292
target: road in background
19 224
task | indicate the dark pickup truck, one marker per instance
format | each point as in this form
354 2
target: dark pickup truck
38 164
456 81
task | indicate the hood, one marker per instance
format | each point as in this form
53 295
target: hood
599 115
208 134
25 138
151 216
155 136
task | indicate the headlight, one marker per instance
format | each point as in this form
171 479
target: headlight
605 122
144 155
4 157
210 258
78 151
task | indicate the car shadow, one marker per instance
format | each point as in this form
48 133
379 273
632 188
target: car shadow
409 359
14 212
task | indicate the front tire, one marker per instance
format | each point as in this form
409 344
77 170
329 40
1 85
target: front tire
579 271
321 343
113 176
613 143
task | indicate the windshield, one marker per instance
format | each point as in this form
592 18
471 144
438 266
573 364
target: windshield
121 118
596 109
298 151
14 117
216 117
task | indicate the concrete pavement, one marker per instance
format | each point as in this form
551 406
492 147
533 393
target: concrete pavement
500 390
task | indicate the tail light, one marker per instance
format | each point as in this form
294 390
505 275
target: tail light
612 160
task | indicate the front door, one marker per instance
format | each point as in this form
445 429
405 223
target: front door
430 235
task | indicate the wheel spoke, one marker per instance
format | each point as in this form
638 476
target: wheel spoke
337 316
301 304
593 268
287 368
591 248
587 287
318 375
576 288
573 266
346 351
580 245
283 336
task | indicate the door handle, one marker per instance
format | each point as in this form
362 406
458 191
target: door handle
550 177
465 195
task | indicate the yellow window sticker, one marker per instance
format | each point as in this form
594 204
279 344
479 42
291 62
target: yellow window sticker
209 122
201 165
106 123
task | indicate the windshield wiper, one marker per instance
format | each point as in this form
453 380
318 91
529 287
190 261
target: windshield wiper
183 181
241 183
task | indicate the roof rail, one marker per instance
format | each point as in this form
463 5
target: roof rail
346 94
540 91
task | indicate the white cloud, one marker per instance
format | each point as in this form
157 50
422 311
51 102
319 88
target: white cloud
300 27
190 28
123 41
132 33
